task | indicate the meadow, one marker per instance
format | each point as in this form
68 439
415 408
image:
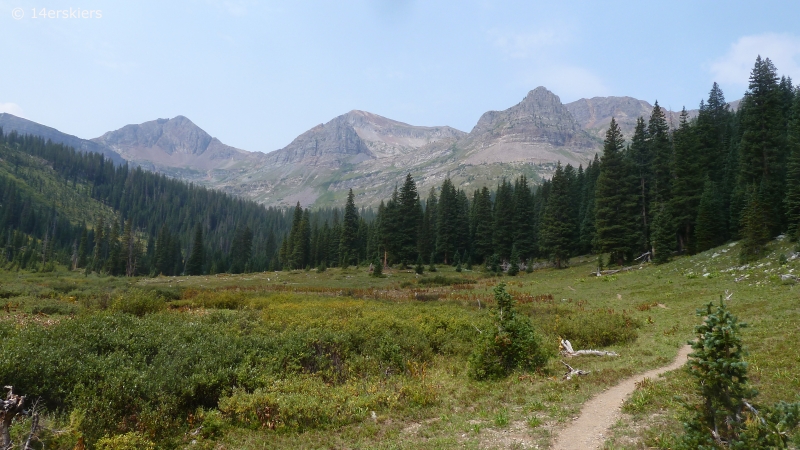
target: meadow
340 359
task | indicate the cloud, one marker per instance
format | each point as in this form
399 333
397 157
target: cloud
525 45
735 67
12 108
570 83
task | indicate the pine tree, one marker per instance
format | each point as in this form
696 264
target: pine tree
482 217
348 242
524 236
241 250
409 216
616 214
792 199
660 150
513 268
663 234
642 159
687 183
503 213
557 224
446 223
710 225
755 235
762 149
194 266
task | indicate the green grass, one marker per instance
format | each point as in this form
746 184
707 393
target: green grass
403 382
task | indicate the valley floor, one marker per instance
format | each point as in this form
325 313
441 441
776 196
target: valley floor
340 359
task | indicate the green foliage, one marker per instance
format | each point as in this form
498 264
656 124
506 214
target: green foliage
726 419
138 302
663 235
755 231
559 222
127 441
377 268
597 329
510 343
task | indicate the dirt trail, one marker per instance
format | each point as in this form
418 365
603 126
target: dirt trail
590 430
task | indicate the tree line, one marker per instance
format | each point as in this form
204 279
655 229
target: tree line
686 187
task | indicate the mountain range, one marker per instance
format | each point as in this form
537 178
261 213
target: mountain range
370 153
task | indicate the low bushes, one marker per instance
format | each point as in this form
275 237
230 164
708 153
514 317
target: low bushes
598 328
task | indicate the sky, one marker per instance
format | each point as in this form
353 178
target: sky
256 74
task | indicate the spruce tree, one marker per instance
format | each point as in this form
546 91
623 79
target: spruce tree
663 236
616 218
503 213
755 235
762 151
513 268
409 216
482 216
792 199
348 242
709 224
194 266
557 224
660 150
687 183
524 236
446 224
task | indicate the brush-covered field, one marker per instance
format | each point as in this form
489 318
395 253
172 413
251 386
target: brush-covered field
340 359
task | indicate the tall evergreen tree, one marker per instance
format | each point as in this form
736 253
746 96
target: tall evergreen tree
524 235
557 225
640 152
660 149
755 235
792 199
687 183
348 243
663 233
710 223
194 266
446 224
503 214
616 214
762 149
482 217
409 217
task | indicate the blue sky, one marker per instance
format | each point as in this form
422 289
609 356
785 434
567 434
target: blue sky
256 74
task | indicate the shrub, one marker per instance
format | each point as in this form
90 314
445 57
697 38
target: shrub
127 441
509 344
138 302
597 329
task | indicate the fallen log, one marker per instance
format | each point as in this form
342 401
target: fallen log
566 350
573 371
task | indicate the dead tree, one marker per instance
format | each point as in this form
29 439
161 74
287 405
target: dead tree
566 350
11 406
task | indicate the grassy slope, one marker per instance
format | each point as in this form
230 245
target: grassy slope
521 411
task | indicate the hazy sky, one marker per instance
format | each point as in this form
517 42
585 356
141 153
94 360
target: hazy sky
256 74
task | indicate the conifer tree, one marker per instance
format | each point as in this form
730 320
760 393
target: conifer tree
762 151
710 225
755 235
446 224
348 242
687 183
503 214
587 227
524 236
194 266
792 199
660 150
557 224
513 268
616 217
427 234
482 217
663 234
241 250
409 217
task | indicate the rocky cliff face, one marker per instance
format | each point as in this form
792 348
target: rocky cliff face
10 122
169 144
539 129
